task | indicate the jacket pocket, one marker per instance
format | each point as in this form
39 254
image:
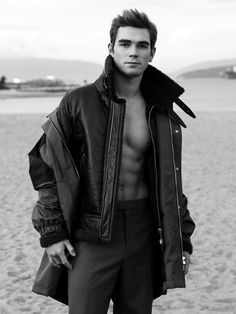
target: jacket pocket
86 227
89 222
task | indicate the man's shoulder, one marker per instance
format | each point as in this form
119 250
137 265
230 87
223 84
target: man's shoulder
78 98
86 91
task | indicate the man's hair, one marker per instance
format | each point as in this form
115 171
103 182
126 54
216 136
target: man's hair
133 18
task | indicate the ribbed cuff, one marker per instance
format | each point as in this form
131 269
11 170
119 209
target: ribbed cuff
53 237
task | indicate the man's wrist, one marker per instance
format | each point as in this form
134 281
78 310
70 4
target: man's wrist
53 237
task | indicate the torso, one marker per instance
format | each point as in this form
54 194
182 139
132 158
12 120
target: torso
136 140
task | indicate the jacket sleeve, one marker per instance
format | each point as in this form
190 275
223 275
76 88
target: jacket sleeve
187 225
47 216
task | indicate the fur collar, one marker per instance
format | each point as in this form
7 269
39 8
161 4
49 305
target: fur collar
157 88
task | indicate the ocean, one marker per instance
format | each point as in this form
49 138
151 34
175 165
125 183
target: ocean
200 95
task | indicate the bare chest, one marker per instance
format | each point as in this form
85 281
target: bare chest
136 131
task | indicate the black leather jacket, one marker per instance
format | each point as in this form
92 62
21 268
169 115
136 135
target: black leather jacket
75 167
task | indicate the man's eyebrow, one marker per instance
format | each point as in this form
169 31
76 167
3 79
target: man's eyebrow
143 42
124 41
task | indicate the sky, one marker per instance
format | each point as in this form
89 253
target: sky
189 31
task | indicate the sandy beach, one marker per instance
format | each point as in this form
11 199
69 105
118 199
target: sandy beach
209 179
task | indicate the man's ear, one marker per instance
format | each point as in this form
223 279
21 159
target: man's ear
110 49
153 51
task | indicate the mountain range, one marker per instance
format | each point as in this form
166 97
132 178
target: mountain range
70 71
207 69
77 71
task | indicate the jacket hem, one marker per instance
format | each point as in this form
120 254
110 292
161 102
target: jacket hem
50 293
173 285
42 291
89 236
187 246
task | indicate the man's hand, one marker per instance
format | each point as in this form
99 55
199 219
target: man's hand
56 253
186 262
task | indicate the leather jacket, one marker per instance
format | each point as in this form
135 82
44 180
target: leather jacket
75 169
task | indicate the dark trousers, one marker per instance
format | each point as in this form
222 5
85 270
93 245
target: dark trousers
121 270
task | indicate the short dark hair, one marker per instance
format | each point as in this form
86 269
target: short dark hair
133 18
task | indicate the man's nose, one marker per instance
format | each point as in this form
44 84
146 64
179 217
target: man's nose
133 51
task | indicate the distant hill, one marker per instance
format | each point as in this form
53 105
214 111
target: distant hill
209 69
215 72
70 71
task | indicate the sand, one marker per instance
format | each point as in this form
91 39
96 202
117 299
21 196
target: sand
209 182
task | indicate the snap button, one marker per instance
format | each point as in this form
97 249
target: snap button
177 169
176 131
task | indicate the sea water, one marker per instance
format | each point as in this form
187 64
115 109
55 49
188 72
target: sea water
200 95
29 105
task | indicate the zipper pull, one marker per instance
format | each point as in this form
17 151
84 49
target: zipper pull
160 237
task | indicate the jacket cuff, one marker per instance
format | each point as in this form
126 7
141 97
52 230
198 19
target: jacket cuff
53 237
187 246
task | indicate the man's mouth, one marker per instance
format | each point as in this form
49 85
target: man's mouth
132 62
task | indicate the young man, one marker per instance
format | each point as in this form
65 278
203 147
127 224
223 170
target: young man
108 172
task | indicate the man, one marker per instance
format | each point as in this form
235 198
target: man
108 172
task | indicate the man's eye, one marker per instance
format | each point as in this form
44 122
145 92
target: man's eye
124 44
143 46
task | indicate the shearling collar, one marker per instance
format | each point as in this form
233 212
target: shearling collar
157 88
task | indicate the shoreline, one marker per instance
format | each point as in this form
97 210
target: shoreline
29 94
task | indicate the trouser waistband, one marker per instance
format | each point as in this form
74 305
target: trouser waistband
133 204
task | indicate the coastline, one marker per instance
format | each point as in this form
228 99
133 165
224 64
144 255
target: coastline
8 94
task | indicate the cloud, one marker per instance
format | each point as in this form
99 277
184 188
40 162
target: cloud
188 30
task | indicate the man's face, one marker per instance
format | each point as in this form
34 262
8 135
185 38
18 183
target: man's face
132 50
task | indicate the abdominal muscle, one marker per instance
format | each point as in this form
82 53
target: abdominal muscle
132 185
136 139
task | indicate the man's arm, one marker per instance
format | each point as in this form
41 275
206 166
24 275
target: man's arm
47 216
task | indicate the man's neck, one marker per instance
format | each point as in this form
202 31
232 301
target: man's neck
126 87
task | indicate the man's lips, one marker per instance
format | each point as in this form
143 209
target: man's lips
131 62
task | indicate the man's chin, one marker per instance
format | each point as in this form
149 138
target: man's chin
132 75
128 73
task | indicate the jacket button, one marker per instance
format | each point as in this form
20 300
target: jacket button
176 131
177 169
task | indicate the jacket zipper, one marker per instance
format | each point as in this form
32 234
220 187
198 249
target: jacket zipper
160 232
106 166
67 149
176 187
119 155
